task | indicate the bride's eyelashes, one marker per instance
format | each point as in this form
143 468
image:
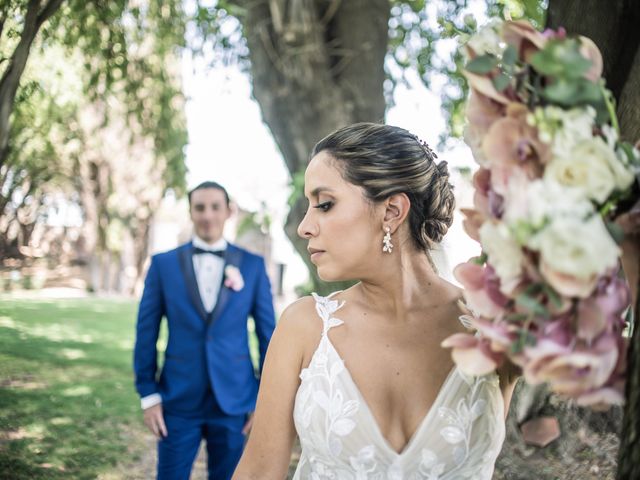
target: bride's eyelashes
324 206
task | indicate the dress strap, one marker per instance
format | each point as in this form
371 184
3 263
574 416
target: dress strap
326 308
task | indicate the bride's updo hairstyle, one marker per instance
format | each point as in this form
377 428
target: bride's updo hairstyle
386 160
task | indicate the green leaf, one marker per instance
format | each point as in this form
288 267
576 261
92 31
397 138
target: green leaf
482 64
561 58
628 150
615 231
481 260
552 295
510 56
525 337
416 5
501 81
531 304
575 92
516 317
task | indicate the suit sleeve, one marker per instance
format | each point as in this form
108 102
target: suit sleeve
262 311
150 314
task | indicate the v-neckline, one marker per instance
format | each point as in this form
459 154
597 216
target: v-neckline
369 412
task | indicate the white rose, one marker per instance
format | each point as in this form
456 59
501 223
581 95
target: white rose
573 253
488 39
577 126
622 171
563 129
539 201
589 168
503 252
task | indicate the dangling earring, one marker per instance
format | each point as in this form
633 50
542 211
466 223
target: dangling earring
387 246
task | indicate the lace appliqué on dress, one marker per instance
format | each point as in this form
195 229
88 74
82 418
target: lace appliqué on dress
340 439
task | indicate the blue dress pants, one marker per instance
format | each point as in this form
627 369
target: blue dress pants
223 436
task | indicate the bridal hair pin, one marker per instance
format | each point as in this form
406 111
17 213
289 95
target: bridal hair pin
430 153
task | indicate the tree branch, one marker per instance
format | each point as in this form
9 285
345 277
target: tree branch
11 77
49 9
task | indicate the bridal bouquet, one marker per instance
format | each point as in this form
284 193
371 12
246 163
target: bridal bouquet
546 292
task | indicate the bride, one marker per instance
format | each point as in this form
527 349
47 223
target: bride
360 376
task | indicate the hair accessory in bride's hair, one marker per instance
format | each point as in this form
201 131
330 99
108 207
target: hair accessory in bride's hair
430 153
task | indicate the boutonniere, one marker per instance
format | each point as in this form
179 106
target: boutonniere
233 278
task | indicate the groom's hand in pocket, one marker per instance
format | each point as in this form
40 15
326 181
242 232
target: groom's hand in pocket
154 420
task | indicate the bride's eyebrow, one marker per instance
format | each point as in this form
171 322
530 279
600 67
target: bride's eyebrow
318 190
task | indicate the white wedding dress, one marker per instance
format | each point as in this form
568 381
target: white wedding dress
459 438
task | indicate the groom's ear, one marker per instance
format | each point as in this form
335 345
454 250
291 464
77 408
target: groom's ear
397 208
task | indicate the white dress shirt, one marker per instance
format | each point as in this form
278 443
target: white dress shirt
209 270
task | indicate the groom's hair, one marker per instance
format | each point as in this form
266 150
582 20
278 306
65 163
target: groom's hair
215 185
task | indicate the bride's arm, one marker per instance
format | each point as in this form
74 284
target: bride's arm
268 449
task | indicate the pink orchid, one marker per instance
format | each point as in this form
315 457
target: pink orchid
473 355
590 51
568 285
524 37
511 144
473 220
583 369
233 278
483 85
601 398
481 112
482 289
500 334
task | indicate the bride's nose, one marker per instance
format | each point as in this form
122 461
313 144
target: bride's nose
307 227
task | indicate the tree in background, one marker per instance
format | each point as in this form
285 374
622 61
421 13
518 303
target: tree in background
613 26
102 93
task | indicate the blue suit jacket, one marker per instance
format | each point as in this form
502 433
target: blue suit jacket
205 352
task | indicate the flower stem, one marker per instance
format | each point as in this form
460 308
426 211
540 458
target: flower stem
611 108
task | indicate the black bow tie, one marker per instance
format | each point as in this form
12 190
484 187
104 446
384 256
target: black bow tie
200 251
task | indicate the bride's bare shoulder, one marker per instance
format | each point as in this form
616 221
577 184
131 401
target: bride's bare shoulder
300 320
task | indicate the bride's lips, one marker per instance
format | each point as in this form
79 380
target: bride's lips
315 253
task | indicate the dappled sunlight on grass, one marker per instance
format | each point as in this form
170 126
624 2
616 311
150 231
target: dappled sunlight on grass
60 421
66 387
55 333
72 354
35 432
7 322
20 383
77 391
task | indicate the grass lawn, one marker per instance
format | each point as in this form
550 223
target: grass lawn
66 387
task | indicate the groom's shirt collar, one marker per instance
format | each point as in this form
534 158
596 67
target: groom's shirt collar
218 245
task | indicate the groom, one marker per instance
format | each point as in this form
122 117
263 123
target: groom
207 388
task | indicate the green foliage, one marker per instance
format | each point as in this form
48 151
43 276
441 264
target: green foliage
525 338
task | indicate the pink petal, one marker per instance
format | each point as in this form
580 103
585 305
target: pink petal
469 274
483 85
472 222
540 431
591 319
568 285
460 340
590 51
474 361
601 398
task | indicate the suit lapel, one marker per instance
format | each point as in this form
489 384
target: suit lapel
186 265
233 257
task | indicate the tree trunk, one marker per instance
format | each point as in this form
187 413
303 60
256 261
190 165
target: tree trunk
33 20
316 65
613 26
